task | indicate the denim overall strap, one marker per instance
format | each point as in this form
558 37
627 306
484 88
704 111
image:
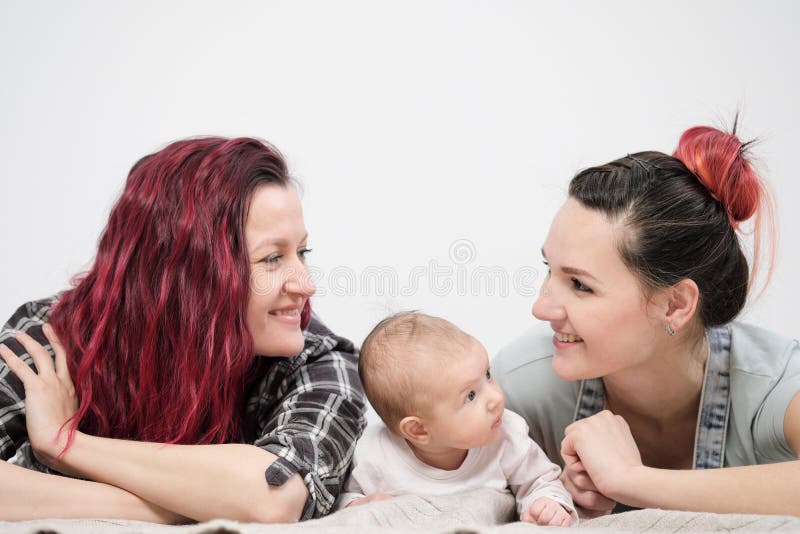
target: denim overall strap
715 402
591 399
712 418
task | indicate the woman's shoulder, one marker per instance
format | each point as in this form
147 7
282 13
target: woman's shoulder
33 312
764 378
320 342
758 351
28 318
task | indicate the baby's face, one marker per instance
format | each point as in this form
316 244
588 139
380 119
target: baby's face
468 404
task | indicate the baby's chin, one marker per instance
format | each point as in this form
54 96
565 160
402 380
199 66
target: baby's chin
490 439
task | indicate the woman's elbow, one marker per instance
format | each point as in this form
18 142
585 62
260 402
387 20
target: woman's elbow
283 504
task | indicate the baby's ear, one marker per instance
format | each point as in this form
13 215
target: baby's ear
413 429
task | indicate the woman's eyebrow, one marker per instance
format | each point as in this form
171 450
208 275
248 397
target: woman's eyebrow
274 241
578 272
574 270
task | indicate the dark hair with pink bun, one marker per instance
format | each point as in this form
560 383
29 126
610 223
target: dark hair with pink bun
682 213
718 160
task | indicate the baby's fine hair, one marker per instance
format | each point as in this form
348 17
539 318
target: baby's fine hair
389 364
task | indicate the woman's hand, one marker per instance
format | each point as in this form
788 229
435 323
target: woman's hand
604 449
589 502
50 399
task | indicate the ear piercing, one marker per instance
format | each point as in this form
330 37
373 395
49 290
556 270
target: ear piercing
669 329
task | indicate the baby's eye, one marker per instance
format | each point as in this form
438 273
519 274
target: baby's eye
488 374
470 397
579 286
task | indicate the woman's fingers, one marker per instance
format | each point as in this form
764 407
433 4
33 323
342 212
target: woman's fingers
17 366
45 367
580 478
568 452
605 446
596 502
41 357
584 492
58 349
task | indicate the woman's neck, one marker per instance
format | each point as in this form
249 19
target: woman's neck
663 391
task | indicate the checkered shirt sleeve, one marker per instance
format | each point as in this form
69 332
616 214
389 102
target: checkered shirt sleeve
310 412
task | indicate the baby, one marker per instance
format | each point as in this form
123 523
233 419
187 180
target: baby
446 428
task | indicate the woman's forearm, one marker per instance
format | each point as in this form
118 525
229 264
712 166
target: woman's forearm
198 481
755 489
26 494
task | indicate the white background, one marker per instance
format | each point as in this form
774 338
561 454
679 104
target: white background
421 130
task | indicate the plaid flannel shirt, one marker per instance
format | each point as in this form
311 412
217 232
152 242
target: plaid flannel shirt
308 410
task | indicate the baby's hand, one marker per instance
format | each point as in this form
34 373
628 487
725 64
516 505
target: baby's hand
547 512
369 498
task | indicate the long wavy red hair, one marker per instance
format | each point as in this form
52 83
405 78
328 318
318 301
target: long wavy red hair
156 332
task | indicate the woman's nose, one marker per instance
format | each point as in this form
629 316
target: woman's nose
546 307
299 282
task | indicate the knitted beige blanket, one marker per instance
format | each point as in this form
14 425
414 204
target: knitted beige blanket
482 511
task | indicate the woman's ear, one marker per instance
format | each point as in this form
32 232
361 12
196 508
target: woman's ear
681 304
413 429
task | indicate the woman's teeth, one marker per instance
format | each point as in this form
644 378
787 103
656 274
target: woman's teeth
286 312
568 338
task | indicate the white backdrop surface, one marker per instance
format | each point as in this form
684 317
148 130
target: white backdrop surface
434 139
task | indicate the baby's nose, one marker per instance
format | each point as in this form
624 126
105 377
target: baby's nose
496 399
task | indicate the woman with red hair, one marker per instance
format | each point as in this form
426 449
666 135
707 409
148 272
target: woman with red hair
183 376
648 392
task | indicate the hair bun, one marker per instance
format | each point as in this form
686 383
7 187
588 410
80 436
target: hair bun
717 159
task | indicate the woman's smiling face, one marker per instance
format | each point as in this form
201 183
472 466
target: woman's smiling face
593 302
280 284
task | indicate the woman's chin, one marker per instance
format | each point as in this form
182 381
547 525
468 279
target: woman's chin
282 348
565 371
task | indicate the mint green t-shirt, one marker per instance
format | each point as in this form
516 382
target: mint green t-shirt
764 378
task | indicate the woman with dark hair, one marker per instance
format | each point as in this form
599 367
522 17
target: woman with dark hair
648 383
184 375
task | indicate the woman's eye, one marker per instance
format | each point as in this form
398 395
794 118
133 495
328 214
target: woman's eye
580 287
303 253
547 265
272 258
470 397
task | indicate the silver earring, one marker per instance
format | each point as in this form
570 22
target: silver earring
669 329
